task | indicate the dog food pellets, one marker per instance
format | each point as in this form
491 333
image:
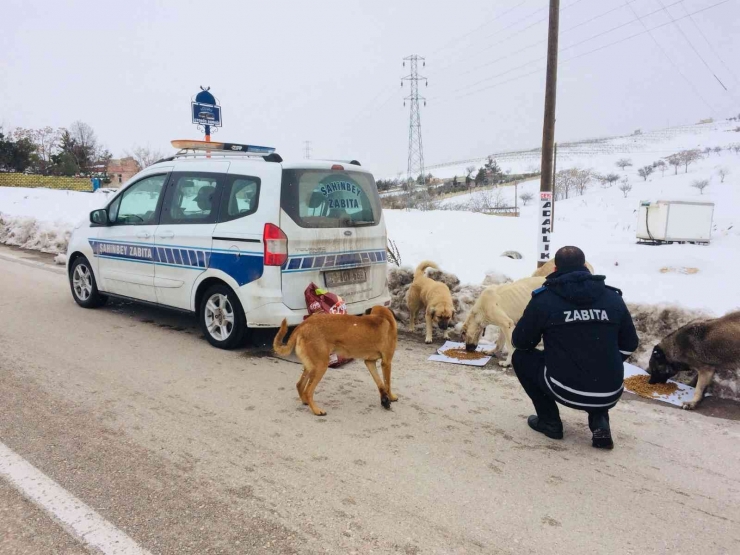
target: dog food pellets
462 354
641 386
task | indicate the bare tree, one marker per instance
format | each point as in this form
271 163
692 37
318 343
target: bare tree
708 150
487 201
688 157
572 181
718 150
645 172
736 149
611 178
675 161
625 186
661 166
624 163
581 179
87 149
47 143
700 184
722 172
526 198
144 156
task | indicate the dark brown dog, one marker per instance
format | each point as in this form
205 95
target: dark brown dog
701 346
371 337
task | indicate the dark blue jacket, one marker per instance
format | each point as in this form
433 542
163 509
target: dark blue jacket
588 333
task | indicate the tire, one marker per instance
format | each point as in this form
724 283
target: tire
221 317
83 285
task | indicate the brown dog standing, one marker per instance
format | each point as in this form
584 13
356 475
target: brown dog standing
371 337
433 296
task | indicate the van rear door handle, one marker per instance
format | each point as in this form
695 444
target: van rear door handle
166 235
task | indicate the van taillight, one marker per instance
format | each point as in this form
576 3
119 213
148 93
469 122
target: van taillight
276 245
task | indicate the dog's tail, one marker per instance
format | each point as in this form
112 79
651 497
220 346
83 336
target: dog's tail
277 343
423 266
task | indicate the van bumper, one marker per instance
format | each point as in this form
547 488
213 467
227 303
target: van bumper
271 315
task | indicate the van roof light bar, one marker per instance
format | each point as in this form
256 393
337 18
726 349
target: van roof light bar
186 144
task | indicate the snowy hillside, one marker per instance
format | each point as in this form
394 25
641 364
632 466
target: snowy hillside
643 149
603 223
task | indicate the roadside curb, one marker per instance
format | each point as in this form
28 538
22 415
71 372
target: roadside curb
33 263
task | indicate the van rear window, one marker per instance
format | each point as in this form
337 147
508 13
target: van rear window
325 198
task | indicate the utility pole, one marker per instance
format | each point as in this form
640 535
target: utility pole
307 149
554 183
416 151
544 223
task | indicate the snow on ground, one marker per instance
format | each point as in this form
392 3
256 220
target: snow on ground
42 219
603 223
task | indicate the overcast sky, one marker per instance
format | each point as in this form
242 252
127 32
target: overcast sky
329 72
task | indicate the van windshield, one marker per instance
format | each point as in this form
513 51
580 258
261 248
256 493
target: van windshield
326 198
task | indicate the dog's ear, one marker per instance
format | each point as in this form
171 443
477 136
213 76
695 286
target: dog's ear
658 354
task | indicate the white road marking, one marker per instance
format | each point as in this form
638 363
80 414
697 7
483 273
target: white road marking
76 517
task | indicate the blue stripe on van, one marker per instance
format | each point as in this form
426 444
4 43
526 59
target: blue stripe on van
334 261
243 268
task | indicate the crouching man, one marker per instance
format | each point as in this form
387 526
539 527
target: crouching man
588 333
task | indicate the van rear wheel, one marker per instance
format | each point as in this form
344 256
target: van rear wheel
221 317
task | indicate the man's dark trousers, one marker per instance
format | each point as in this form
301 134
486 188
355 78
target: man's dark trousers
529 367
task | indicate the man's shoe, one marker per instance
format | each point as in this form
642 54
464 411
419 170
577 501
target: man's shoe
553 430
602 435
602 439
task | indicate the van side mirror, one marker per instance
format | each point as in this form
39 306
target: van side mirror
99 217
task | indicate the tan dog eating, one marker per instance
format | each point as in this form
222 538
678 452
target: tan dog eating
371 337
502 306
434 297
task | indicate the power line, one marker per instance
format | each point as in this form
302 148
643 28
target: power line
598 35
693 47
709 44
675 66
484 24
514 24
532 45
577 56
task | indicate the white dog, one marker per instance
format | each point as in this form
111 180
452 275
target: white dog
502 306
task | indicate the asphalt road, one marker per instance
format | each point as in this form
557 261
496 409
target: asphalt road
188 449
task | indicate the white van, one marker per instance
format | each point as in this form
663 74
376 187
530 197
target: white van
235 234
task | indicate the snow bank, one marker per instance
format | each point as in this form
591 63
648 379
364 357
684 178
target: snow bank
43 219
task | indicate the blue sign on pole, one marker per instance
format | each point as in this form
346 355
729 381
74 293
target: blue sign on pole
206 114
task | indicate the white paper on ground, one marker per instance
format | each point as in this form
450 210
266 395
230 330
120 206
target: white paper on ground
439 357
679 397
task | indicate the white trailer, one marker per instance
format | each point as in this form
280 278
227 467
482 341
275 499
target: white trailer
673 221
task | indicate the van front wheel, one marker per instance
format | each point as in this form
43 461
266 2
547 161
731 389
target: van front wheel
84 287
222 318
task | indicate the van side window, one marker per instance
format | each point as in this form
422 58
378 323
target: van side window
191 199
138 203
240 198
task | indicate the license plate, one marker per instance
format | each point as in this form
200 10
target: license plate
345 277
